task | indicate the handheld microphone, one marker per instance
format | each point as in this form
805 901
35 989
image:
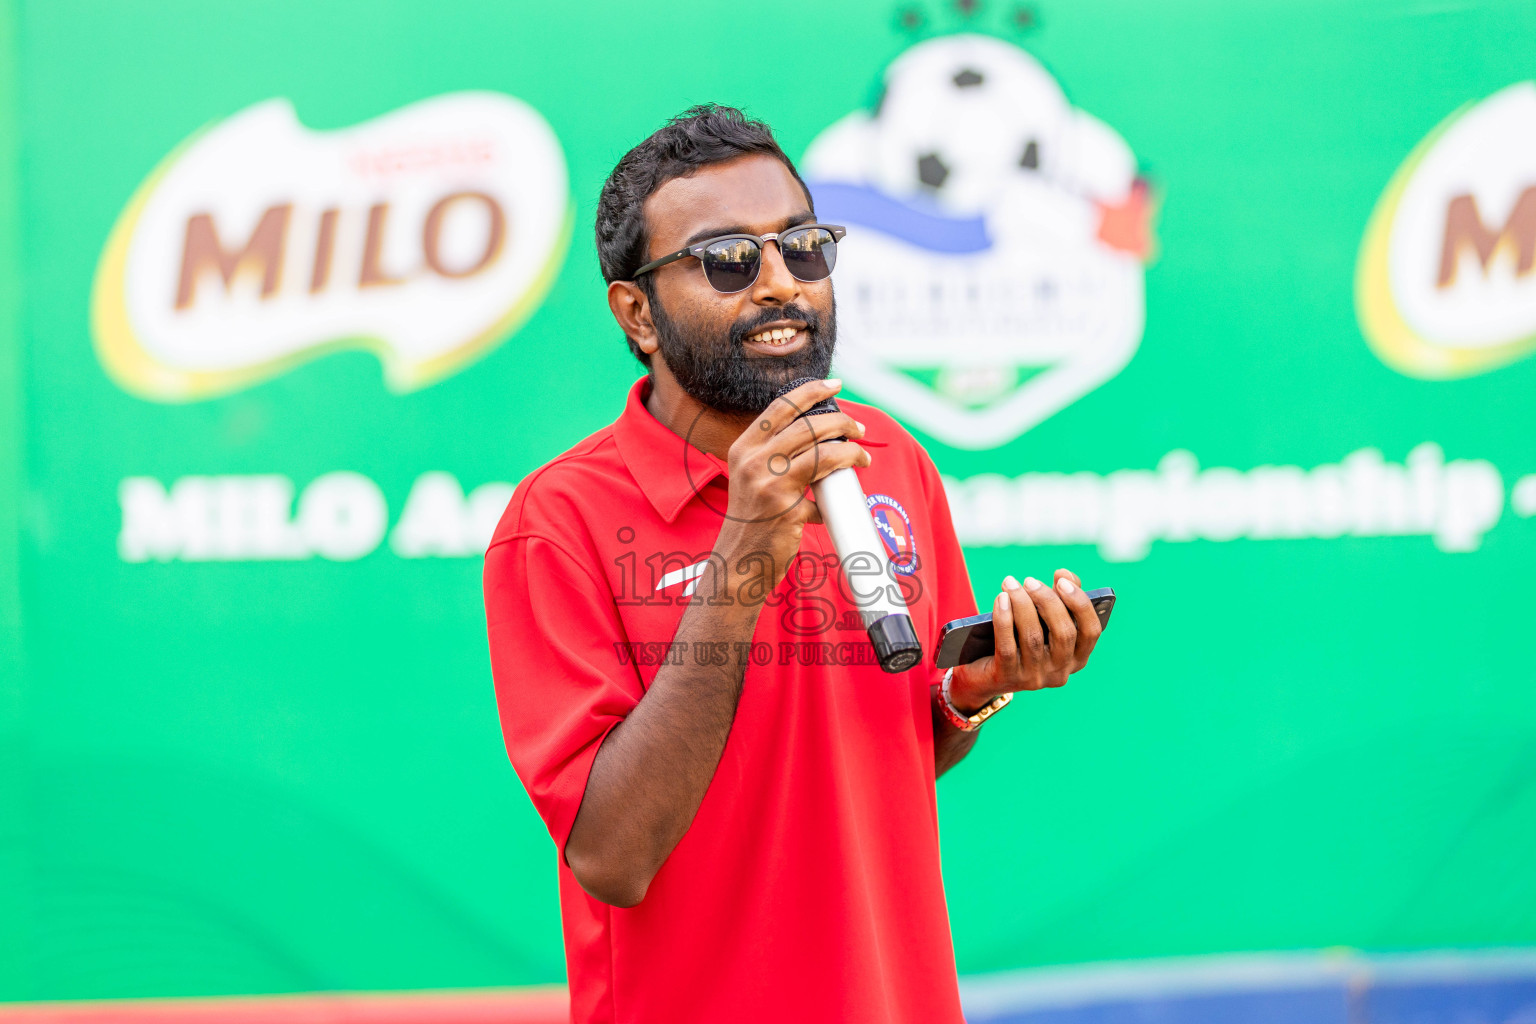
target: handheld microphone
840 497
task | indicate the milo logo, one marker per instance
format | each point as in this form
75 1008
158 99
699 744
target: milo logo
1444 286
425 236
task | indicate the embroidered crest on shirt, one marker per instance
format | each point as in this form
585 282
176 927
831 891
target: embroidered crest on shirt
895 530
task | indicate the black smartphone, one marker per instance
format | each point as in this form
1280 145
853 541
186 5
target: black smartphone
965 640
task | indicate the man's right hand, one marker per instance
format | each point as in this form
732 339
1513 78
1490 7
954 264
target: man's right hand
771 465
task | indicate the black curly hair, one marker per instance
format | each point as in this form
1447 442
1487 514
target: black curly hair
701 135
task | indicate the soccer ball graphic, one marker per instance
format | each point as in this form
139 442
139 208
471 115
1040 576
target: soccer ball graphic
959 119
994 265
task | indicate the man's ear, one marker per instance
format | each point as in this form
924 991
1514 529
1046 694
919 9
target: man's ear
632 310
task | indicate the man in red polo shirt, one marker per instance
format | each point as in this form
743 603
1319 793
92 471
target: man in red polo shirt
742 801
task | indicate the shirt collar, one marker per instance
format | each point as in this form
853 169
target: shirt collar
668 469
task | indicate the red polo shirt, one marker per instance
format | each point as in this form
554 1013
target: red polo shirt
808 886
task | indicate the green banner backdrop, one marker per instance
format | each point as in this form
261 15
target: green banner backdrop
1223 305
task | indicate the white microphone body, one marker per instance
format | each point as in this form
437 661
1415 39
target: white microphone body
845 511
863 559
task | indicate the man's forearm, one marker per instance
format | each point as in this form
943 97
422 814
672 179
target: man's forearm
652 771
950 745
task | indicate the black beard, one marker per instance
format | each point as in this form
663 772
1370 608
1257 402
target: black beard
719 372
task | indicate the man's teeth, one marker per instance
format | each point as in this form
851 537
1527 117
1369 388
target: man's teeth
777 336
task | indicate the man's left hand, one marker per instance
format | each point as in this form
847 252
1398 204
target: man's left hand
1022 660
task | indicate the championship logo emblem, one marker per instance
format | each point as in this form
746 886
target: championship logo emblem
998 271
1445 286
425 236
895 531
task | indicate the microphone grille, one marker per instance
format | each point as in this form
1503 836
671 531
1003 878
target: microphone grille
828 404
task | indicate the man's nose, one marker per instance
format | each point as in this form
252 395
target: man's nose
775 285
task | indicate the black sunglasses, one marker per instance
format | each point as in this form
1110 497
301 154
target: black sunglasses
731 262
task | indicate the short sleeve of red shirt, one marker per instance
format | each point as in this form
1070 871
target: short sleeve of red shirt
561 684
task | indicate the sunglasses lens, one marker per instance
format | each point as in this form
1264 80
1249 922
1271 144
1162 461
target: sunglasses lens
731 265
809 253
